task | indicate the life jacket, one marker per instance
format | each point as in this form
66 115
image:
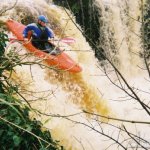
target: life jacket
43 35
42 40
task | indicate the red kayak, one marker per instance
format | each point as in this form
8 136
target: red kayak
61 61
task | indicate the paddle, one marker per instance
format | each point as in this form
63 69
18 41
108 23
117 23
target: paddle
66 40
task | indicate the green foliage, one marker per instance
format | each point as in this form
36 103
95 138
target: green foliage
3 40
13 137
17 130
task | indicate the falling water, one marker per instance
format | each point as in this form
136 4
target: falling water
63 93
120 32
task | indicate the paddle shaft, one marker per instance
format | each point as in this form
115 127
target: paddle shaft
65 40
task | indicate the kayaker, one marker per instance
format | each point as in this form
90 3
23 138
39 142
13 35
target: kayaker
40 34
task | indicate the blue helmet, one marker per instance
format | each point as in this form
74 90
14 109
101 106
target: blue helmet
42 18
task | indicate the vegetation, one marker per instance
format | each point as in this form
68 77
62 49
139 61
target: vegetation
3 40
17 130
15 118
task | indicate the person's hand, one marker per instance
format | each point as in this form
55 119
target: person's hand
26 39
50 39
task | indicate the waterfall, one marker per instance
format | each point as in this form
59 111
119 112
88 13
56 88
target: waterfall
120 32
65 94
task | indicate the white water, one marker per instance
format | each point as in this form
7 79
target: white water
65 94
121 29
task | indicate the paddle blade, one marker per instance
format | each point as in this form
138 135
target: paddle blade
68 40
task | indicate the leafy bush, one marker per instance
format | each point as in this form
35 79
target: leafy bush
17 130
3 40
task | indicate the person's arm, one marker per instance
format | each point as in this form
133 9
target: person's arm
25 34
25 31
28 28
50 33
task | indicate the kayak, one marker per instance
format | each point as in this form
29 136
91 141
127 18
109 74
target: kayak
61 61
